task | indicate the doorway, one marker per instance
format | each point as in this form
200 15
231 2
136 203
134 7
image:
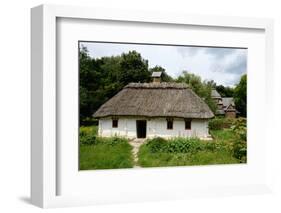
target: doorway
141 128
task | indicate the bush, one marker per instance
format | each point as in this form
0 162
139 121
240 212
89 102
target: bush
240 146
87 130
220 123
240 150
184 145
88 139
176 145
156 144
239 127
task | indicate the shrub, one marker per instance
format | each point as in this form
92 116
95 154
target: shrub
184 145
220 123
239 127
87 135
87 130
156 144
240 146
240 150
175 145
90 139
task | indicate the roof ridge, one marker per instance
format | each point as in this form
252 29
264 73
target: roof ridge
162 85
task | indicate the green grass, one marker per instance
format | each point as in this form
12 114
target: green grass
213 152
103 153
105 156
148 159
223 135
86 130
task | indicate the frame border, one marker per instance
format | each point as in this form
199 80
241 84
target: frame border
43 88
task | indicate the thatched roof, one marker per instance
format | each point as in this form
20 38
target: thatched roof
215 94
155 100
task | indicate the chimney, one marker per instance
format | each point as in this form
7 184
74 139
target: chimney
156 77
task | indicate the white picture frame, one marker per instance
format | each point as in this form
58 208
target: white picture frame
44 155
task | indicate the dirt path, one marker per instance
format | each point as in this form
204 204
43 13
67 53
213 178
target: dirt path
136 143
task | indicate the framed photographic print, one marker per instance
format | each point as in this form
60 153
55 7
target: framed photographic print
129 106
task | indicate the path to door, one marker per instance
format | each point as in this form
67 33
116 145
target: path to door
136 143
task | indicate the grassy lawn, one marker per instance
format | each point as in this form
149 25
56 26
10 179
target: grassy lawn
224 135
214 152
103 153
148 159
105 156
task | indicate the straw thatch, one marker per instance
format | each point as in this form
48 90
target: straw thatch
156 100
215 94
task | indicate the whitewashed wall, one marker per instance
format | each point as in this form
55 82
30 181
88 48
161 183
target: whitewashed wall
155 128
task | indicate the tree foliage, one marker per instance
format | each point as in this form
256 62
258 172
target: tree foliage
240 96
225 91
102 78
164 77
201 88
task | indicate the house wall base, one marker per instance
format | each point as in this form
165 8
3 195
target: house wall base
156 127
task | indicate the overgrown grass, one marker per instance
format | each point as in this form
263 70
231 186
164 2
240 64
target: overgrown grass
189 151
219 123
225 135
87 130
148 159
105 156
103 153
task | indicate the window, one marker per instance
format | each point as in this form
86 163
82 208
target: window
114 123
169 124
188 124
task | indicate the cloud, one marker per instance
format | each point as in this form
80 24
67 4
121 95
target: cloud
219 53
188 51
234 63
238 66
223 65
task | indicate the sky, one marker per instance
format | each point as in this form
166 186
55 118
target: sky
223 65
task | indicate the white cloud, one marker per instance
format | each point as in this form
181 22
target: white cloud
223 65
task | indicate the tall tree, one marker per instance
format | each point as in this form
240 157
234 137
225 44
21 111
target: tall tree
202 89
225 91
133 68
164 77
102 78
86 74
240 96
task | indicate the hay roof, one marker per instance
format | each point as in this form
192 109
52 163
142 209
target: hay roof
215 94
155 100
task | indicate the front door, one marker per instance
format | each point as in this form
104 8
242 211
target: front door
141 128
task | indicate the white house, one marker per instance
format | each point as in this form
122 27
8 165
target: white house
147 110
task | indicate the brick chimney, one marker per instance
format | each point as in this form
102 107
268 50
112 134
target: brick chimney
156 76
